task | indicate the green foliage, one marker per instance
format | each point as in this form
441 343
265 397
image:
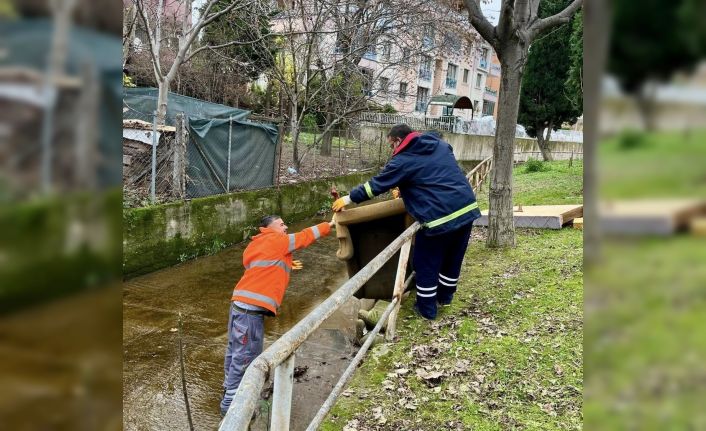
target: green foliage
652 39
389 109
309 122
128 82
250 26
543 99
534 165
7 9
574 82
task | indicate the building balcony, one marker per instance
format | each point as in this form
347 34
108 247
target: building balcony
450 82
425 74
490 92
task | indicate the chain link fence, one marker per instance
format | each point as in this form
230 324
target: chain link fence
194 157
154 163
338 152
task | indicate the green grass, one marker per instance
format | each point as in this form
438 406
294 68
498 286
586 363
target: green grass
645 308
559 184
509 349
635 165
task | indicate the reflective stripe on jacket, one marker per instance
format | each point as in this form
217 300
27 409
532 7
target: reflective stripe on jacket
435 190
268 262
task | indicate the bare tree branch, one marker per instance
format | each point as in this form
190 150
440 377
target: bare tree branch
543 25
481 23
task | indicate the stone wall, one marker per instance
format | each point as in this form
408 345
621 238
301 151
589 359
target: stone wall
479 147
163 235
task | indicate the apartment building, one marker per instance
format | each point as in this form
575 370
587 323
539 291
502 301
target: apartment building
492 88
409 67
459 66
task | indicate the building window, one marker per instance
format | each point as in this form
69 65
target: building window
371 51
488 107
451 76
340 47
479 79
422 99
367 75
484 59
425 68
386 50
465 76
405 56
384 85
403 90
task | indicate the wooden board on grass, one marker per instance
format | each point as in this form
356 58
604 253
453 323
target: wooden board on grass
540 216
649 216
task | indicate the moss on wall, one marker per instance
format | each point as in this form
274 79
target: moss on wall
57 246
162 235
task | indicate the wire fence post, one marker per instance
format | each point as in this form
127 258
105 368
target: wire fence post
230 138
153 190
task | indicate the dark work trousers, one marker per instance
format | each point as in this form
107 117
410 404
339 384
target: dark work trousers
437 263
245 342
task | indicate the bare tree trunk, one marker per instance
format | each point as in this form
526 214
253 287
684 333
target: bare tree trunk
327 139
645 99
295 136
162 100
501 225
268 98
543 143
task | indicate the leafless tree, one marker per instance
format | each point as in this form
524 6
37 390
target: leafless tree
518 26
152 16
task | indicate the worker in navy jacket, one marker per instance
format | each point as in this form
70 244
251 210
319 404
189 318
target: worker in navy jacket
438 195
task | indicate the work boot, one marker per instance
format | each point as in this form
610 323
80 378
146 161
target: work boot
419 313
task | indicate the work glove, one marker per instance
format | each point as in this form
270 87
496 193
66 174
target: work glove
297 265
332 223
396 193
340 203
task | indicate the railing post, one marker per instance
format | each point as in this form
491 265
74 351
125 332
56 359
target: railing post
399 290
282 395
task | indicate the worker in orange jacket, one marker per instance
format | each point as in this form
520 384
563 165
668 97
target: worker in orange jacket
268 263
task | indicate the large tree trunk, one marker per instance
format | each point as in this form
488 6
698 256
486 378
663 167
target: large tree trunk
543 142
501 226
327 139
596 37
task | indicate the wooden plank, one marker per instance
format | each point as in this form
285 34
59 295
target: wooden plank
698 226
539 216
649 216
578 223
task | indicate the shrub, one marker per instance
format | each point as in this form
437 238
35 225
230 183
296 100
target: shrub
534 165
631 139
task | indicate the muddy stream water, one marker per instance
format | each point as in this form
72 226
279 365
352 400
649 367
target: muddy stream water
200 290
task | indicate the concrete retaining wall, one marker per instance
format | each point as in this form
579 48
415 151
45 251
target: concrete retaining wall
479 147
163 235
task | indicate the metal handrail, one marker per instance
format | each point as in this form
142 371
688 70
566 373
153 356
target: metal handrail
279 357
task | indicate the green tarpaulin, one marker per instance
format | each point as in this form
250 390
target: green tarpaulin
252 145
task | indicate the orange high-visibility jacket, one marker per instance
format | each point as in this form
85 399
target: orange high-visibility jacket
268 262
